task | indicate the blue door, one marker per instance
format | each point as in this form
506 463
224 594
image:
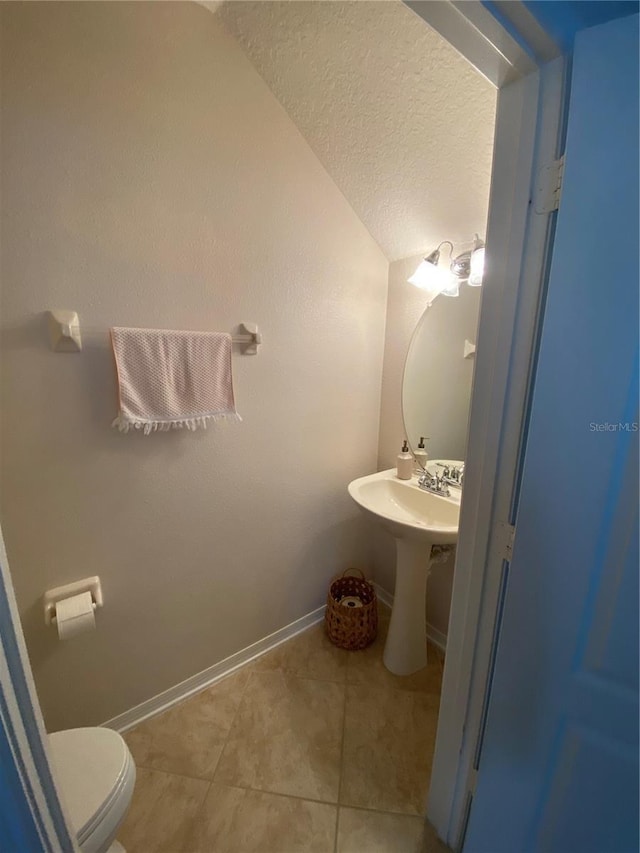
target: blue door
558 769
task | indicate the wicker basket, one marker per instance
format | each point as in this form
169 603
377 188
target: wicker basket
351 624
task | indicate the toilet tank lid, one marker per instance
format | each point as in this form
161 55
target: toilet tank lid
90 767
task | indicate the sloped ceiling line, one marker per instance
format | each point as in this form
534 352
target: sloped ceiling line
398 118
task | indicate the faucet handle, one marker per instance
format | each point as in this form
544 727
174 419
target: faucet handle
454 474
426 478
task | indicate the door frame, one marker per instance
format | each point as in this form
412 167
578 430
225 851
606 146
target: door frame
531 76
507 342
509 53
31 814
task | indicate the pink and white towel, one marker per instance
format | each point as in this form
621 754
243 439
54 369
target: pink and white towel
170 380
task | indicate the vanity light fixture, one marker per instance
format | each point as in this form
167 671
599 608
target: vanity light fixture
429 276
468 266
452 288
477 264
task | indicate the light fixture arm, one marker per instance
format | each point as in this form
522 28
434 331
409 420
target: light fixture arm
434 257
447 243
466 266
461 265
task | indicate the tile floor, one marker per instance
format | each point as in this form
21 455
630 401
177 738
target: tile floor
310 748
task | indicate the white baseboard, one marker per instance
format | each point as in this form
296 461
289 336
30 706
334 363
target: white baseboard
437 637
207 677
383 596
201 680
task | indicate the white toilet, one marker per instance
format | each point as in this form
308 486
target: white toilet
96 774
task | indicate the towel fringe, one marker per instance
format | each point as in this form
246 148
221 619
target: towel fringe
124 424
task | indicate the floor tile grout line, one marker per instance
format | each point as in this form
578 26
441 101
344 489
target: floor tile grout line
233 719
198 811
290 674
243 692
280 794
342 739
350 666
209 779
382 811
331 803
294 674
192 778
241 787
271 793
319 802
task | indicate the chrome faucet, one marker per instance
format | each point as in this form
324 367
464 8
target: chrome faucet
454 475
433 483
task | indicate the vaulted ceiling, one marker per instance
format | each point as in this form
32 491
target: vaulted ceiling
398 118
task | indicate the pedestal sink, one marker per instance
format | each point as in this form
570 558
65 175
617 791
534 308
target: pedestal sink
417 520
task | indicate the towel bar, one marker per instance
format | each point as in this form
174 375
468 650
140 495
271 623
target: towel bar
64 333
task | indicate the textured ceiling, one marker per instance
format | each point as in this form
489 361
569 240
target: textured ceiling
399 119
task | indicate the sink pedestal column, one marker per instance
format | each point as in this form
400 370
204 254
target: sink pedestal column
405 651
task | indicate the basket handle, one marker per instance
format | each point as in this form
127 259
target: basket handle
360 572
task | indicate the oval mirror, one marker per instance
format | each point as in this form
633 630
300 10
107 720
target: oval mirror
438 371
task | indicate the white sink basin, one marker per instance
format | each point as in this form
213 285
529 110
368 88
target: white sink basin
406 510
417 520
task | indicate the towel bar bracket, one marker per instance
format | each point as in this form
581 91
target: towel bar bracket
250 339
64 333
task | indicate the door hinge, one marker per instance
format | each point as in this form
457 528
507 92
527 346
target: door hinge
507 533
549 186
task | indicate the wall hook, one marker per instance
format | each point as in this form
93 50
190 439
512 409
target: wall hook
64 331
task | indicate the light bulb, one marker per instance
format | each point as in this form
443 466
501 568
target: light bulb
452 287
477 267
429 277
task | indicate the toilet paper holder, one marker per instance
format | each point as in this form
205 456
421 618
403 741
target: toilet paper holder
53 596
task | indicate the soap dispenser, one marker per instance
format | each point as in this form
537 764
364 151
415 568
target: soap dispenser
421 454
404 463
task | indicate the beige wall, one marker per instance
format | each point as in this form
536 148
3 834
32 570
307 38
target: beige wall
150 178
